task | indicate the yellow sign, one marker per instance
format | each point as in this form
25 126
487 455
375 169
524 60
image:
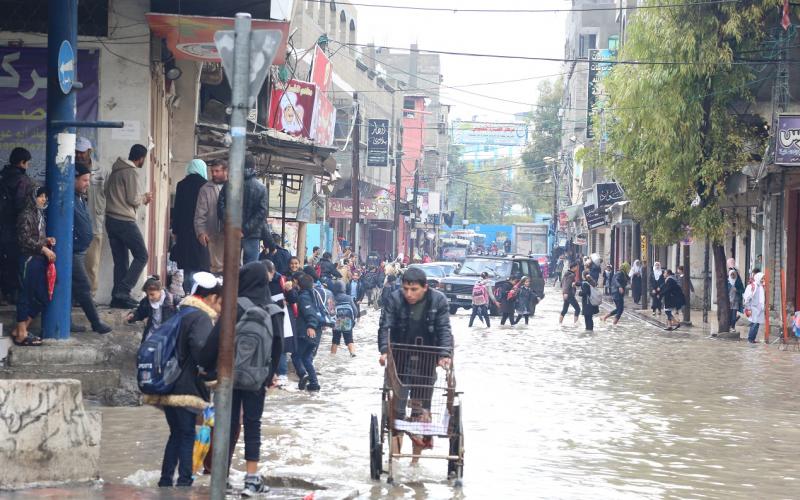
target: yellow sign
644 248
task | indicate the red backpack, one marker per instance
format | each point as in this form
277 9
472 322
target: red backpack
480 295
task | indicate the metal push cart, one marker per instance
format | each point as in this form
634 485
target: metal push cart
418 403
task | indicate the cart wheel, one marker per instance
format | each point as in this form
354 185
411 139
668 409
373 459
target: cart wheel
455 468
375 449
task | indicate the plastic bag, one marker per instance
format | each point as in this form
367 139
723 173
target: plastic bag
202 440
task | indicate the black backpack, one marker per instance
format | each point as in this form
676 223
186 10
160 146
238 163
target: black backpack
254 337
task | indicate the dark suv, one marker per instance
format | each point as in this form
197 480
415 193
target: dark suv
458 287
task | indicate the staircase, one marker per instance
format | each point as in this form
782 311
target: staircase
104 364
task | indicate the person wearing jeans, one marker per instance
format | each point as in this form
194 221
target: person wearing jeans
480 300
250 250
180 445
122 200
307 335
754 301
254 209
618 284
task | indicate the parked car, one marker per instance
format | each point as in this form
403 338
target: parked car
435 271
458 287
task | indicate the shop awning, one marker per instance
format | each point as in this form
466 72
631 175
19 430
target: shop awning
278 153
192 37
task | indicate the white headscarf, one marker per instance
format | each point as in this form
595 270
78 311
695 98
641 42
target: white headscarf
732 277
635 268
657 270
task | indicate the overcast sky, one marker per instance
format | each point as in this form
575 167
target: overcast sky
527 34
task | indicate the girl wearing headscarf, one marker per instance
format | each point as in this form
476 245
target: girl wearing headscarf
656 287
636 281
188 252
754 305
734 298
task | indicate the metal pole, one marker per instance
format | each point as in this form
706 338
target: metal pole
396 152
413 249
284 180
354 179
60 173
232 232
466 197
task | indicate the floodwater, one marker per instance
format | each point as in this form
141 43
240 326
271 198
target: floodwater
625 412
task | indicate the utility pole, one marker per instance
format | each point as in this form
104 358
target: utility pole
354 180
706 282
233 249
687 282
397 179
62 73
465 221
413 250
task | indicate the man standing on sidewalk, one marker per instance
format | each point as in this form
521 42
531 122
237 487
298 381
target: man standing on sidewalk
96 206
207 224
254 210
122 200
81 239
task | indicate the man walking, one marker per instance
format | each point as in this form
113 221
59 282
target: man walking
189 252
15 187
81 239
96 206
122 200
207 224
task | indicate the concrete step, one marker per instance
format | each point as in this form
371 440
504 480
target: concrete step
94 380
58 354
113 317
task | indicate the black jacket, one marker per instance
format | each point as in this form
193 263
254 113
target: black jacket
328 269
586 305
395 316
306 316
144 312
280 257
672 293
507 306
620 280
16 183
188 252
253 284
82 228
254 205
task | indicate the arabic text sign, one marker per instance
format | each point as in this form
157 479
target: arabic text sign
594 216
379 208
378 143
23 100
608 193
490 134
787 141
599 67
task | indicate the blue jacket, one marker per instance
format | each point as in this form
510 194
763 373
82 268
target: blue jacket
307 316
82 230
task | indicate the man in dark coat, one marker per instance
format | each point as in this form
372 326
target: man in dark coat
15 187
254 210
188 252
328 269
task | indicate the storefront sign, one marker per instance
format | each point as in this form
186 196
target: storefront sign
324 121
608 193
643 248
378 208
321 71
291 108
599 66
377 143
787 147
23 101
595 217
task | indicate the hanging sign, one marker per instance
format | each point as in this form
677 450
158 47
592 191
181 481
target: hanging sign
377 143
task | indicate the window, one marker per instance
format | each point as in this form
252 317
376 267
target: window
586 43
613 42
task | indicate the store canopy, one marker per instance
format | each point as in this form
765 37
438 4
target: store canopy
192 37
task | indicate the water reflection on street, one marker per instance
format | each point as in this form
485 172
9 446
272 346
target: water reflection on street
625 412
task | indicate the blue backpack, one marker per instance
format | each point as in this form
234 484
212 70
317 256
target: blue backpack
325 305
157 364
345 318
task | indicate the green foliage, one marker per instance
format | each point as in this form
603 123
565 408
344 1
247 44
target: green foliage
673 137
545 125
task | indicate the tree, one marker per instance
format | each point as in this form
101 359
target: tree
673 137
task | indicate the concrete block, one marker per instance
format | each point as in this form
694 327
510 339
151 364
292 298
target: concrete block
46 434
56 354
93 379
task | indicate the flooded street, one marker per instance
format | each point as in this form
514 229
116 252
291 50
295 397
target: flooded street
626 412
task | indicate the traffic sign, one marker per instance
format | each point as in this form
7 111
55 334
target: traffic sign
66 67
263 47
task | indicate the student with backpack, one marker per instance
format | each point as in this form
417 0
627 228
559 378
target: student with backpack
259 345
309 327
507 293
568 293
590 300
481 295
173 364
156 308
618 284
673 299
526 301
347 313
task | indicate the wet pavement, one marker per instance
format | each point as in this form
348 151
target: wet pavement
625 412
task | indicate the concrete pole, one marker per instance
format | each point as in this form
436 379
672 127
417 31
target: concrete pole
60 173
687 279
232 232
301 241
355 178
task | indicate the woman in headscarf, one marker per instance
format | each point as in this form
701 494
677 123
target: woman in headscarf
754 302
734 298
656 287
188 252
636 281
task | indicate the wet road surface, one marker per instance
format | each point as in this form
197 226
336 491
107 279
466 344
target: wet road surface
549 412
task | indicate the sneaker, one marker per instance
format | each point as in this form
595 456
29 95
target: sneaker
352 355
303 382
101 328
283 381
313 388
254 485
77 329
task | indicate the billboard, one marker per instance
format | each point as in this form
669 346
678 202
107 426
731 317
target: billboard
23 100
377 143
490 133
324 121
599 66
787 141
608 193
291 108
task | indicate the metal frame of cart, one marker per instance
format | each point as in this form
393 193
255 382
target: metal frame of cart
417 402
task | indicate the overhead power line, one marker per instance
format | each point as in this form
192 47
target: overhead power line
456 10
